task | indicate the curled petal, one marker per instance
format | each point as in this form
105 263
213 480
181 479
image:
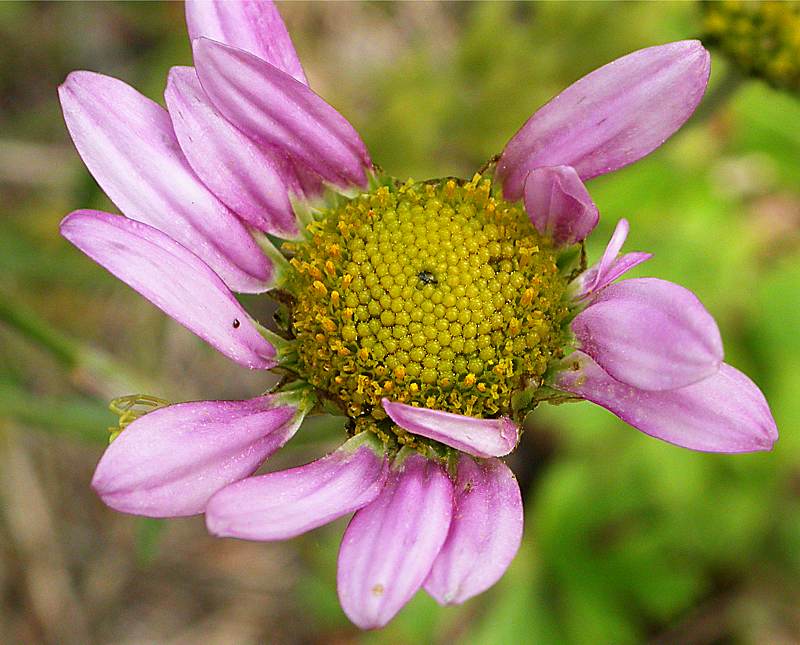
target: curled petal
610 267
559 204
390 545
252 25
485 532
651 334
280 505
271 107
127 143
611 117
173 279
169 462
619 267
723 413
248 178
478 437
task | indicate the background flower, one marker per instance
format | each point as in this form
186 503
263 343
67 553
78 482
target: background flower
620 542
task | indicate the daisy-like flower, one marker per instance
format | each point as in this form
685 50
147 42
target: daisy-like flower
433 315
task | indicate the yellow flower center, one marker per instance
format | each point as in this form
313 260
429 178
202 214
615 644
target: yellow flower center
437 293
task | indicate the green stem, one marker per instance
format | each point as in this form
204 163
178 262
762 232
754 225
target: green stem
72 417
91 370
63 349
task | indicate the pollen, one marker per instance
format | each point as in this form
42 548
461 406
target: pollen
438 294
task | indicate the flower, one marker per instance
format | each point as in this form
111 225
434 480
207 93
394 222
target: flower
433 315
760 38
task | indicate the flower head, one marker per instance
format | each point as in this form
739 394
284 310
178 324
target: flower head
761 38
433 315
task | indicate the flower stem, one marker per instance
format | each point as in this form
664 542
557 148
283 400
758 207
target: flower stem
92 371
19 318
74 417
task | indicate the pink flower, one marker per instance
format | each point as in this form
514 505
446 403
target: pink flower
434 339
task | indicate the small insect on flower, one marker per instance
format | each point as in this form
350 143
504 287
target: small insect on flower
131 407
432 315
426 277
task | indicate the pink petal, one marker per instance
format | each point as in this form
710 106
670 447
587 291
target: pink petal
612 117
171 461
173 279
255 27
281 505
651 334
559 204
723 413
610 266
272 108
478 437
127 143
390 545
485 533
248 178
308 182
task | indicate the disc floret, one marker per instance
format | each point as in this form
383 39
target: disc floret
761 38
439 294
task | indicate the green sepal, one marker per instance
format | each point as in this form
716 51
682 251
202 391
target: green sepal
280 265
331 408
296 385
451 462
547 394
333 197
285 349
378 179
306 213
432 450
283 317
404 453
571 261
366 438
298 394
438 451
521 401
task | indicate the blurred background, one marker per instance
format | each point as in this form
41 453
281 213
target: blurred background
627 540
